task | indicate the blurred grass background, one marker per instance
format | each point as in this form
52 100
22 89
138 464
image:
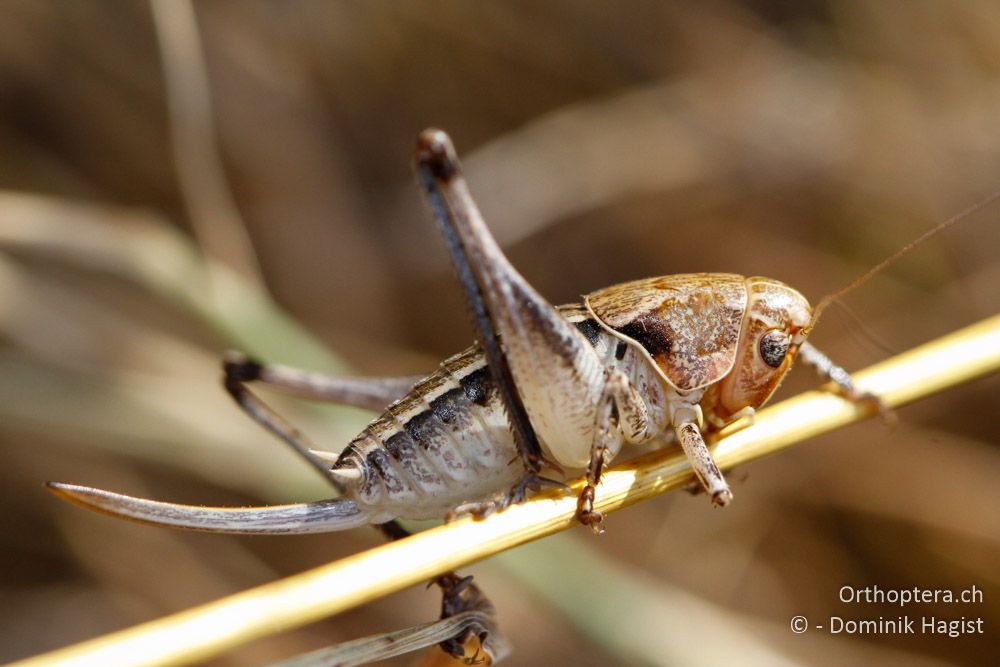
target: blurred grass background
145 228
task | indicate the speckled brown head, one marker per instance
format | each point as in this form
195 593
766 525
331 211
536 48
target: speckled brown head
703 329
775 325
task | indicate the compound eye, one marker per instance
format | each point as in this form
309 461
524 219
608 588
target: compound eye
773 347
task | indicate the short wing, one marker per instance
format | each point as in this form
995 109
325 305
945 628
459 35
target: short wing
689 324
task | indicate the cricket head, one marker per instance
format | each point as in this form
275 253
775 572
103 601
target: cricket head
775 323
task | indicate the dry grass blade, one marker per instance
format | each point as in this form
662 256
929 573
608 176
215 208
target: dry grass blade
214 213
142 248
210 629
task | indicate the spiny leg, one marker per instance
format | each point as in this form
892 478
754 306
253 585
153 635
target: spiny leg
606 429
686 421
460 595
322 516
367 650
709 477
362 392
505 498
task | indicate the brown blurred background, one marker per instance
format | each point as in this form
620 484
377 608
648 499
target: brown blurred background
176 183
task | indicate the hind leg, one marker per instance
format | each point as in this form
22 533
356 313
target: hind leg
540 362
370 393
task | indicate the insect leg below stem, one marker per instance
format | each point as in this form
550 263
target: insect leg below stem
493 647
459 594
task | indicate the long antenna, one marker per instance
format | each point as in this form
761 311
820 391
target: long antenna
864 277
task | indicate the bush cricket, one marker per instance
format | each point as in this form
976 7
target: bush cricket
558 388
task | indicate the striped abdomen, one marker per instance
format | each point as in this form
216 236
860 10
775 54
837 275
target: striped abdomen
448 440
445 442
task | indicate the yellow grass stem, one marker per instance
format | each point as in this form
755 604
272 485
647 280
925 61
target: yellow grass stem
212 628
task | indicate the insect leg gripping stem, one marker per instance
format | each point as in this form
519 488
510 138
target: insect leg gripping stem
841 379
708 473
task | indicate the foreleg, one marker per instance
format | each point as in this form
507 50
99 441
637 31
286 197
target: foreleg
831 372
687 421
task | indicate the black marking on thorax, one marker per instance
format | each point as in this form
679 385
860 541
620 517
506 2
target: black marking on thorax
591 330
650 332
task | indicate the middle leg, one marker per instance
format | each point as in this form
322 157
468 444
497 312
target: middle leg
621 416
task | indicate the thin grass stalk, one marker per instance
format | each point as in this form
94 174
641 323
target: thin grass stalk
212 628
